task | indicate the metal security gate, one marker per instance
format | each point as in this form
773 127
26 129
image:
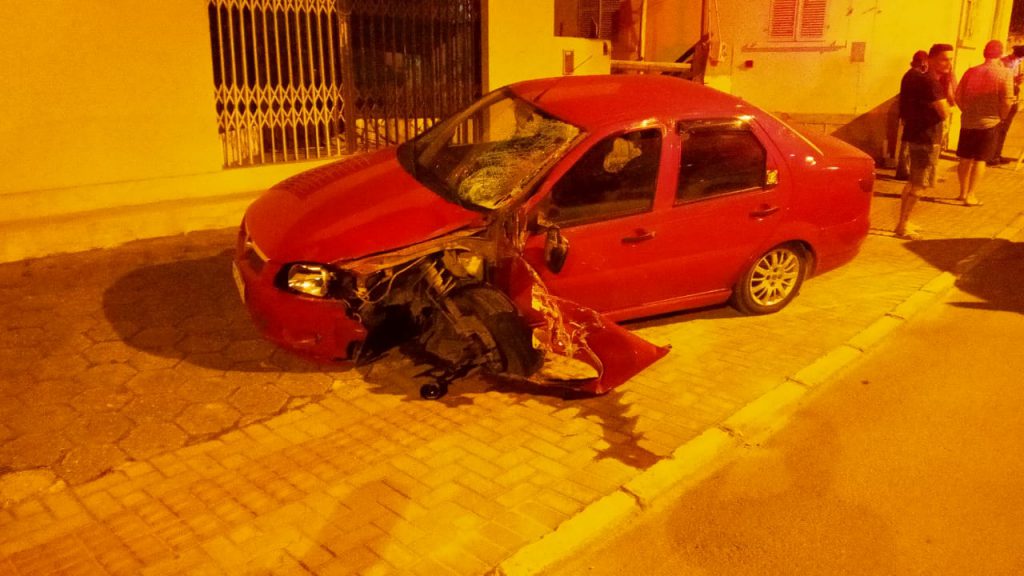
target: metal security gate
305 79
414 62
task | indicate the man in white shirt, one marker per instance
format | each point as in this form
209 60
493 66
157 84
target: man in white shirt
1013 62
984 96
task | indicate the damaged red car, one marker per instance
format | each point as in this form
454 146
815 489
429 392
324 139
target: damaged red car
512 236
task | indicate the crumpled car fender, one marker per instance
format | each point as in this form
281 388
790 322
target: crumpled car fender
582 349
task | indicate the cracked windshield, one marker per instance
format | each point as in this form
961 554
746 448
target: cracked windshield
485 155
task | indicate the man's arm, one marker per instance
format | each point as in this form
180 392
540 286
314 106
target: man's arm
948 82
959 95
1006 96
942 108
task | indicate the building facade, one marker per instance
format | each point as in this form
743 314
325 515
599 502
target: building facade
127 120
827 65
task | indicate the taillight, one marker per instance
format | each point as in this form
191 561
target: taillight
867 184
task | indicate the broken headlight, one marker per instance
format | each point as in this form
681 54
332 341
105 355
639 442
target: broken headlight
308 279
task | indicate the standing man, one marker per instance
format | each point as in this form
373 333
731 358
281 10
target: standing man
918 62
984 95
923 107
1013 62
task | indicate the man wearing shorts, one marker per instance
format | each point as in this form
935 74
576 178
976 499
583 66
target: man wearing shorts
923 107
984 95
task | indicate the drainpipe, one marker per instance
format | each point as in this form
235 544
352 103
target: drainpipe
964 4
348 75
1000 22
642 52
703 17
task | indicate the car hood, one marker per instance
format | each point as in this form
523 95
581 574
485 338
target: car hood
350 209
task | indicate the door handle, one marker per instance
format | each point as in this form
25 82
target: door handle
764 211
639 235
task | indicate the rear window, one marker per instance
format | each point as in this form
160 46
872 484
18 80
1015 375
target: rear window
719 160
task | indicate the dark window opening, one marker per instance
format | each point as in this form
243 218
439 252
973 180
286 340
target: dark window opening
719 161
616 177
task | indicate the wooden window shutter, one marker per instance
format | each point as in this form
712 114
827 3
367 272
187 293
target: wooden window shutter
782 25
812 19
797 20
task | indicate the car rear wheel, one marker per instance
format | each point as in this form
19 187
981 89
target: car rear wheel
772 281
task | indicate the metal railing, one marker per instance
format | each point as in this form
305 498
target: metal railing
413 63
691 65
277 78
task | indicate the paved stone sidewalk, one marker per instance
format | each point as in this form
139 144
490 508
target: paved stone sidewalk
145 427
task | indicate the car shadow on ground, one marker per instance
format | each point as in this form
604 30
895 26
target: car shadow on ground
990 270
190 310
716 312
397 374
924 198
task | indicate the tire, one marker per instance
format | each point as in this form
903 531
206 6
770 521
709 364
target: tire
510 333
772 281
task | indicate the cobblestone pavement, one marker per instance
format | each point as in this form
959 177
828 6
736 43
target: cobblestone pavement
146 428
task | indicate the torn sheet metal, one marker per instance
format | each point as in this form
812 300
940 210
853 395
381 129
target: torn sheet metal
582 349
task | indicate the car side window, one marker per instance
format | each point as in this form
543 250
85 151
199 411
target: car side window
616 177
717 161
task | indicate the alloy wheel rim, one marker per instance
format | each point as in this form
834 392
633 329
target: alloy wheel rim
774 277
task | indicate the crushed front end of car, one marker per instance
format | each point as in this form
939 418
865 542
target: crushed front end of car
463 302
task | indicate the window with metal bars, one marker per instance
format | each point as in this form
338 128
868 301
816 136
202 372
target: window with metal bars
596 18
797 20
277 79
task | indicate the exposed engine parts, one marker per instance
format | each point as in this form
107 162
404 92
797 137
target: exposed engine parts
441 308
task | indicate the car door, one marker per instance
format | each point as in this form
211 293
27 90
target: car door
730 198
604 206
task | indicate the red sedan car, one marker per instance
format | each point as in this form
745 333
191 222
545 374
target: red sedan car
514 234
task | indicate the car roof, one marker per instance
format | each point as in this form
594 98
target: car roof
595 101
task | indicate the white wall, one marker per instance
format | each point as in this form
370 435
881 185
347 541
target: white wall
823 79
520 44
820 77
109 130
672 27
103 92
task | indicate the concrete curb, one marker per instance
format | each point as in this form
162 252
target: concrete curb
571 535
755 422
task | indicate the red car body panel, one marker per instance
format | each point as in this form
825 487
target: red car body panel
311 327
349 209
720 236
614 353
675 256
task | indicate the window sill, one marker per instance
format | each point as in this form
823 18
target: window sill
811 46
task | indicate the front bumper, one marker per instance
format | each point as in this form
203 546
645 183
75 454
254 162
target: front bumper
314 328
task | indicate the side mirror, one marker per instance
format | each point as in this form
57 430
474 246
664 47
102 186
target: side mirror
556 248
